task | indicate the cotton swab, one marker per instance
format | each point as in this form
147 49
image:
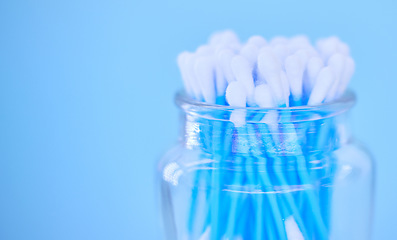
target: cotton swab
190 60
303 55
263 96
236 96
337 63
242 71
281 51
204 70
285 86
269 69
220 81
204 50
250 52
314 65
224 58
279 40
294 68
257 41
346 76
298 42
181 64
343 48
321 87
228 38
327 47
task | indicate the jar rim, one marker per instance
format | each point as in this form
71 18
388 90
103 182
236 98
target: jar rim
343 103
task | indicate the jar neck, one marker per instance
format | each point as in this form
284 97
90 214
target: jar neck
296 131
270 133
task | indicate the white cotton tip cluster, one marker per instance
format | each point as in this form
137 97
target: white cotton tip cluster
289 71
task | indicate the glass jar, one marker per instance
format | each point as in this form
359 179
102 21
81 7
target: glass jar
283 173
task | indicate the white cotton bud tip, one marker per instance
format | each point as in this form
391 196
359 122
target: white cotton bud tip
220 80
204 71
311 51
263 96
268 63
346 76
327 46
314 65
216 39
236 95
269 68
190 61
285 86
344 48
230 37
292 229
257 41
250 52
303 55
204 50
181 60
321 87
278 40
242 71
298 42
294 69
337 63
224 58
227 37
281 51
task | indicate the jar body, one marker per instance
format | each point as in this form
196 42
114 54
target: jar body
284 179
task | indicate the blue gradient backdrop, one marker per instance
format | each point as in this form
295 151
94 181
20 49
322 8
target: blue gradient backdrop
86 102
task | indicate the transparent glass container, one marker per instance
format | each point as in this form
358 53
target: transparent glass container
283 173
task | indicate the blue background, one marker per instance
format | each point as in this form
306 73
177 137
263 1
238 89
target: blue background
86 102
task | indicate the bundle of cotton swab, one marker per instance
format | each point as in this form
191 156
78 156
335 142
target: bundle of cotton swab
280 73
